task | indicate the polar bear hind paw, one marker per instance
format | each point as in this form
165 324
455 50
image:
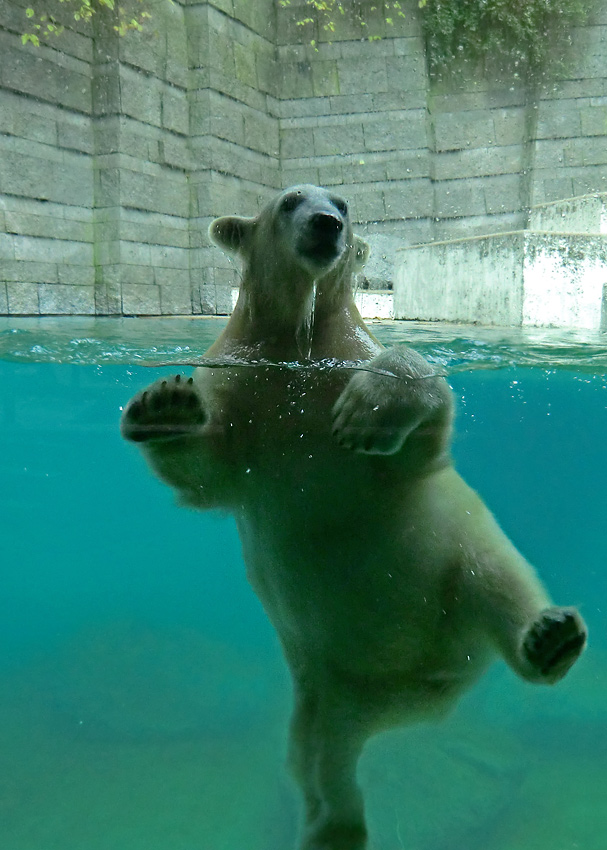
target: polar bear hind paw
169 408
340 836
554 642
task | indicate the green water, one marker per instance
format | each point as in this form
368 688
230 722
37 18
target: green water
143 699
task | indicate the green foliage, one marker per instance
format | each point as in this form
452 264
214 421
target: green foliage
44 25
522 31
328 12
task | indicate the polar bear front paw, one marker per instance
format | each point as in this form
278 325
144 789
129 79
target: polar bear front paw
554 643
368 418
169 408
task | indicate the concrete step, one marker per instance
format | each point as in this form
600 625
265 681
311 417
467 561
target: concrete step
372 303
523 278
584 214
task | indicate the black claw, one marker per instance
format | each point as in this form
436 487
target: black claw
177 378
190 381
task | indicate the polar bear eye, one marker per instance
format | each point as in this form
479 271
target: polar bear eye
340 205
290 202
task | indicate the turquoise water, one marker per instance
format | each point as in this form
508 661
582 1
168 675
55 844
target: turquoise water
143 699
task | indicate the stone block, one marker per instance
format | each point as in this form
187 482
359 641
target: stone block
268 78
297 142
200 112
221 52
258 16
503 194
176 298
339 139
165 256
408 46
24 71
175 115
406 73
261 132
245 65
395 132
366 168
348 104
227 118
3 300
161 194
387 101
7 247
549 153
458 131
14 271
362 78
455 198
555 188
37 249
408 166
509 125
586 151
140 96
38 128
325 80
331 174
594 119
409 200
140 300
368 205
294 80
52 226
175 152
478 162
292 174
56 299
76 133
558 120
589 180
135 254
83 276
22 298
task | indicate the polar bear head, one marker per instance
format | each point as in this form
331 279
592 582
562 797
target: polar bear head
301 240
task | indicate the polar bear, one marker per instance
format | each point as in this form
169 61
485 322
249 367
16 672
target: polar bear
390 584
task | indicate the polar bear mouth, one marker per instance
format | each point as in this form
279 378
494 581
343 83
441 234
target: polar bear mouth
323 241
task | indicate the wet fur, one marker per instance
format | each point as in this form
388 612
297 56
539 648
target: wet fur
389 583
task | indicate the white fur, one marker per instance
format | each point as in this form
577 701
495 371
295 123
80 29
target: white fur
388 581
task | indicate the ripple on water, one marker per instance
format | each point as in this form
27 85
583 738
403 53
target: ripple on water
453 348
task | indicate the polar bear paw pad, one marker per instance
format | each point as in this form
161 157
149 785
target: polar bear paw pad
169 408
554 642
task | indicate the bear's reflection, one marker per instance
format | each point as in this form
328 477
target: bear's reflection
388 581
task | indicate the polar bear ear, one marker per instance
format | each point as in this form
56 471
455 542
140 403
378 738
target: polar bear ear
361 253
231 232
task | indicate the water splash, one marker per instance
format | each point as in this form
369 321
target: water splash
305 333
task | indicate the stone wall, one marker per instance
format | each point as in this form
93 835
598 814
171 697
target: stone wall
117 152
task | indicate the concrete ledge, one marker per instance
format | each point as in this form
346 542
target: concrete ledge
371 304
519 279
584 214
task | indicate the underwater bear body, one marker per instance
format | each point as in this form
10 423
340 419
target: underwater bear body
389 582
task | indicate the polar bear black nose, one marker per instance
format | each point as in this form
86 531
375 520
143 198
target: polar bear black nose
326 223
